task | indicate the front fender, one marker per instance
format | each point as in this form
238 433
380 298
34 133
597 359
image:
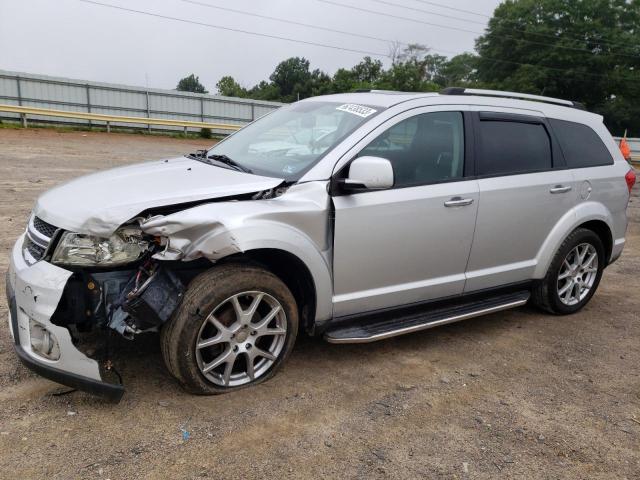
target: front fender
221 243
582 213
296 222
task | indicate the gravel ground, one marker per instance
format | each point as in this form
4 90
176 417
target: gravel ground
517 394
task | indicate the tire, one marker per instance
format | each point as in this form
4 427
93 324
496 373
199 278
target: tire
215 324
552 293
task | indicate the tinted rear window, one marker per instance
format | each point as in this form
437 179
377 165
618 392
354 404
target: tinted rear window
513 147
581 146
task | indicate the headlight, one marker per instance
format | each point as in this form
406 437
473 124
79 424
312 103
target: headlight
126 245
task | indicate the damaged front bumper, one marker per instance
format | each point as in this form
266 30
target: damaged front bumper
33 294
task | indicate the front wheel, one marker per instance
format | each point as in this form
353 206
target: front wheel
574 274
235 327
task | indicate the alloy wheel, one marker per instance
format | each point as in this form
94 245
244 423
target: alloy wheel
241 339
577 274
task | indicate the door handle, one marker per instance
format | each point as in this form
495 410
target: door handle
458 202
560 189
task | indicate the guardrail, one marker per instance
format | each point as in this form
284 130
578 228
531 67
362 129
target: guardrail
109 119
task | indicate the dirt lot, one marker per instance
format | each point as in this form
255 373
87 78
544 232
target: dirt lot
512 395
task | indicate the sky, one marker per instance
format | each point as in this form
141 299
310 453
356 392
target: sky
71 38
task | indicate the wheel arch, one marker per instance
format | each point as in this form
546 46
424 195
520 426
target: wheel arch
603 231
308 253
591 215
268 243
295 274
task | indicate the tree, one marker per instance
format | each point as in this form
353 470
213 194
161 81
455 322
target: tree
434 64
264 91
412 53
228 87
344 80
319 84
191 84
460 71
581 50
409 72
406 77
290 77
368 71
395 48
413 69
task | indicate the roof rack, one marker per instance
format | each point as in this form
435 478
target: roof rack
389 92
515 95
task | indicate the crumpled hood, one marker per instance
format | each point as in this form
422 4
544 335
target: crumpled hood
100 202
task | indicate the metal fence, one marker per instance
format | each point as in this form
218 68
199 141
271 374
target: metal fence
42 91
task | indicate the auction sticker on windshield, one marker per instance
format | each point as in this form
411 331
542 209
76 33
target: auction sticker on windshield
359 110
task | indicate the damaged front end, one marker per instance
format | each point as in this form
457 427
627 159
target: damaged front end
69 292
63 309
116 282
133 299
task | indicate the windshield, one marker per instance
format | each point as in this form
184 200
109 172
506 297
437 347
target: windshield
288 142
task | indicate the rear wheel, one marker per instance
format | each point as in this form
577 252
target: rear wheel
234 328
574 274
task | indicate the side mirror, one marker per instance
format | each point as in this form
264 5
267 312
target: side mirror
369 173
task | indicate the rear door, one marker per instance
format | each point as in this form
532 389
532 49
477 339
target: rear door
597 180
409 243
525 188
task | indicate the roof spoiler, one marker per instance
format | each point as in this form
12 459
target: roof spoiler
514 95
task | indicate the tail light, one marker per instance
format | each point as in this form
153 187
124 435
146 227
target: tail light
630 178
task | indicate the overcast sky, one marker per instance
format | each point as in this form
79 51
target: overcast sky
69 38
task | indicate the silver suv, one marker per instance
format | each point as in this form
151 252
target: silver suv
356 217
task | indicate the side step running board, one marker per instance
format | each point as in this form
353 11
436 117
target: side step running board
390 325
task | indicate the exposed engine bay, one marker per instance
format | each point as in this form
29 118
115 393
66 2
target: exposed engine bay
129 301
147 300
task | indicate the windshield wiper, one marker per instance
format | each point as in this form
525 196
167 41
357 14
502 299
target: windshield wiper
229 161
199 155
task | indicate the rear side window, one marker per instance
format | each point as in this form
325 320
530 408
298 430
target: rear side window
508 147
581 146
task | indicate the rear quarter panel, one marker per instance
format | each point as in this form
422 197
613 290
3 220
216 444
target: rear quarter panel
602 195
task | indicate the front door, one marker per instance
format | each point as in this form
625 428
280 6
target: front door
410 243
